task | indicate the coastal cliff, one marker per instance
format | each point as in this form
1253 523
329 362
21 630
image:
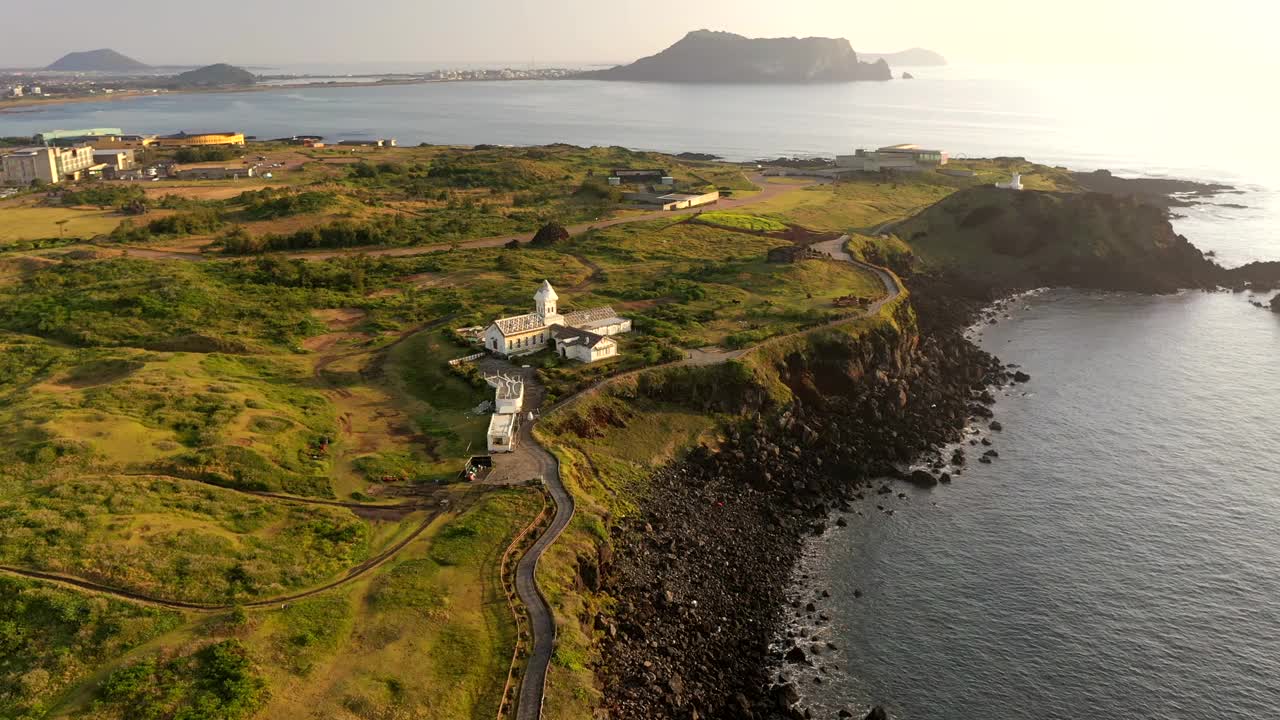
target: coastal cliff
688 590
704 56
1011 240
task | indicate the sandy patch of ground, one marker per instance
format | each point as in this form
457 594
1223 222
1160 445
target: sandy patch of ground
340 318
320 343
201 192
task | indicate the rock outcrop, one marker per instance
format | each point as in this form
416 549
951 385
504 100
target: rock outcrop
219 75
700 572
704 56
1011 240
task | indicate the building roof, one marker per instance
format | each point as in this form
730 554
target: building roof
546 291
592 325
185 134
519 324
506 387
90 132
502 424
577 336
589 315
907 147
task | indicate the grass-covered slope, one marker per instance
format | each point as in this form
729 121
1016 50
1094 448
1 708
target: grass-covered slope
1018 239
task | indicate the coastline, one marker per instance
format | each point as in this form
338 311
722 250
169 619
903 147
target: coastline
701 605
33 104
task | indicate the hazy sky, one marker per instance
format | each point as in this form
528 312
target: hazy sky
427 32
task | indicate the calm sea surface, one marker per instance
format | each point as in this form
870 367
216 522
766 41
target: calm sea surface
1122 557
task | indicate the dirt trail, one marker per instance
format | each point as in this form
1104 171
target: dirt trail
541 617
468 500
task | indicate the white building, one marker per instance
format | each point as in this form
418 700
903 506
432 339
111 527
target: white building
529 333
583 345
906 157
1015 183
508 393
502 432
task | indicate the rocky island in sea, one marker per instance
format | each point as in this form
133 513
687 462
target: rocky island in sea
706 56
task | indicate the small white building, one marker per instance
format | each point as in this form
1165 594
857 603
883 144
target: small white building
583 345
508 394
502 432
1015 183
524 334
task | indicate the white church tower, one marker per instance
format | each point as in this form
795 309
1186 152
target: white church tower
545 299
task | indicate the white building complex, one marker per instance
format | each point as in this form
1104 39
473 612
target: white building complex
582 335
508 402
905 157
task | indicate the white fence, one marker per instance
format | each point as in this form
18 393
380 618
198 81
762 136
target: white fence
469 358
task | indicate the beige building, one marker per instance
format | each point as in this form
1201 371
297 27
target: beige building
26 166
124 142
45 164
73 160
906 157
115 160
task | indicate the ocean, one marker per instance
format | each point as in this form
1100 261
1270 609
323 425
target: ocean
1122 556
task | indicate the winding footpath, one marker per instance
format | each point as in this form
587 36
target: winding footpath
542 620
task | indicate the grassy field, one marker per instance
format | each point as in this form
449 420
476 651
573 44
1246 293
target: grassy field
40 223
741 221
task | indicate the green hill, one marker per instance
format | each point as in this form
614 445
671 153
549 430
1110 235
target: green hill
1010 239
96 61
219 75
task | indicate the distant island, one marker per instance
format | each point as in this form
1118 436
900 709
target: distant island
104 60
915 57
219 75
705 56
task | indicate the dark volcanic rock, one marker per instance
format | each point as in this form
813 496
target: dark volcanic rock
721 530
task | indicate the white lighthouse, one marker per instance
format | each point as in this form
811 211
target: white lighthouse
1015 183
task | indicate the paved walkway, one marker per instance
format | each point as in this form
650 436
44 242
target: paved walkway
542 621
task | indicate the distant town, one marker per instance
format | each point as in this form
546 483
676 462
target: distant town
25 87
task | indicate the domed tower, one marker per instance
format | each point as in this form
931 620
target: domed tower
545 299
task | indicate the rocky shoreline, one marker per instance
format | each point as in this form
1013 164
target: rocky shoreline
701 574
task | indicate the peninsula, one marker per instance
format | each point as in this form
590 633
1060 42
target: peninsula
705 56
488 431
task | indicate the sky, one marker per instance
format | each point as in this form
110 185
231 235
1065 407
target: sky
424 34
